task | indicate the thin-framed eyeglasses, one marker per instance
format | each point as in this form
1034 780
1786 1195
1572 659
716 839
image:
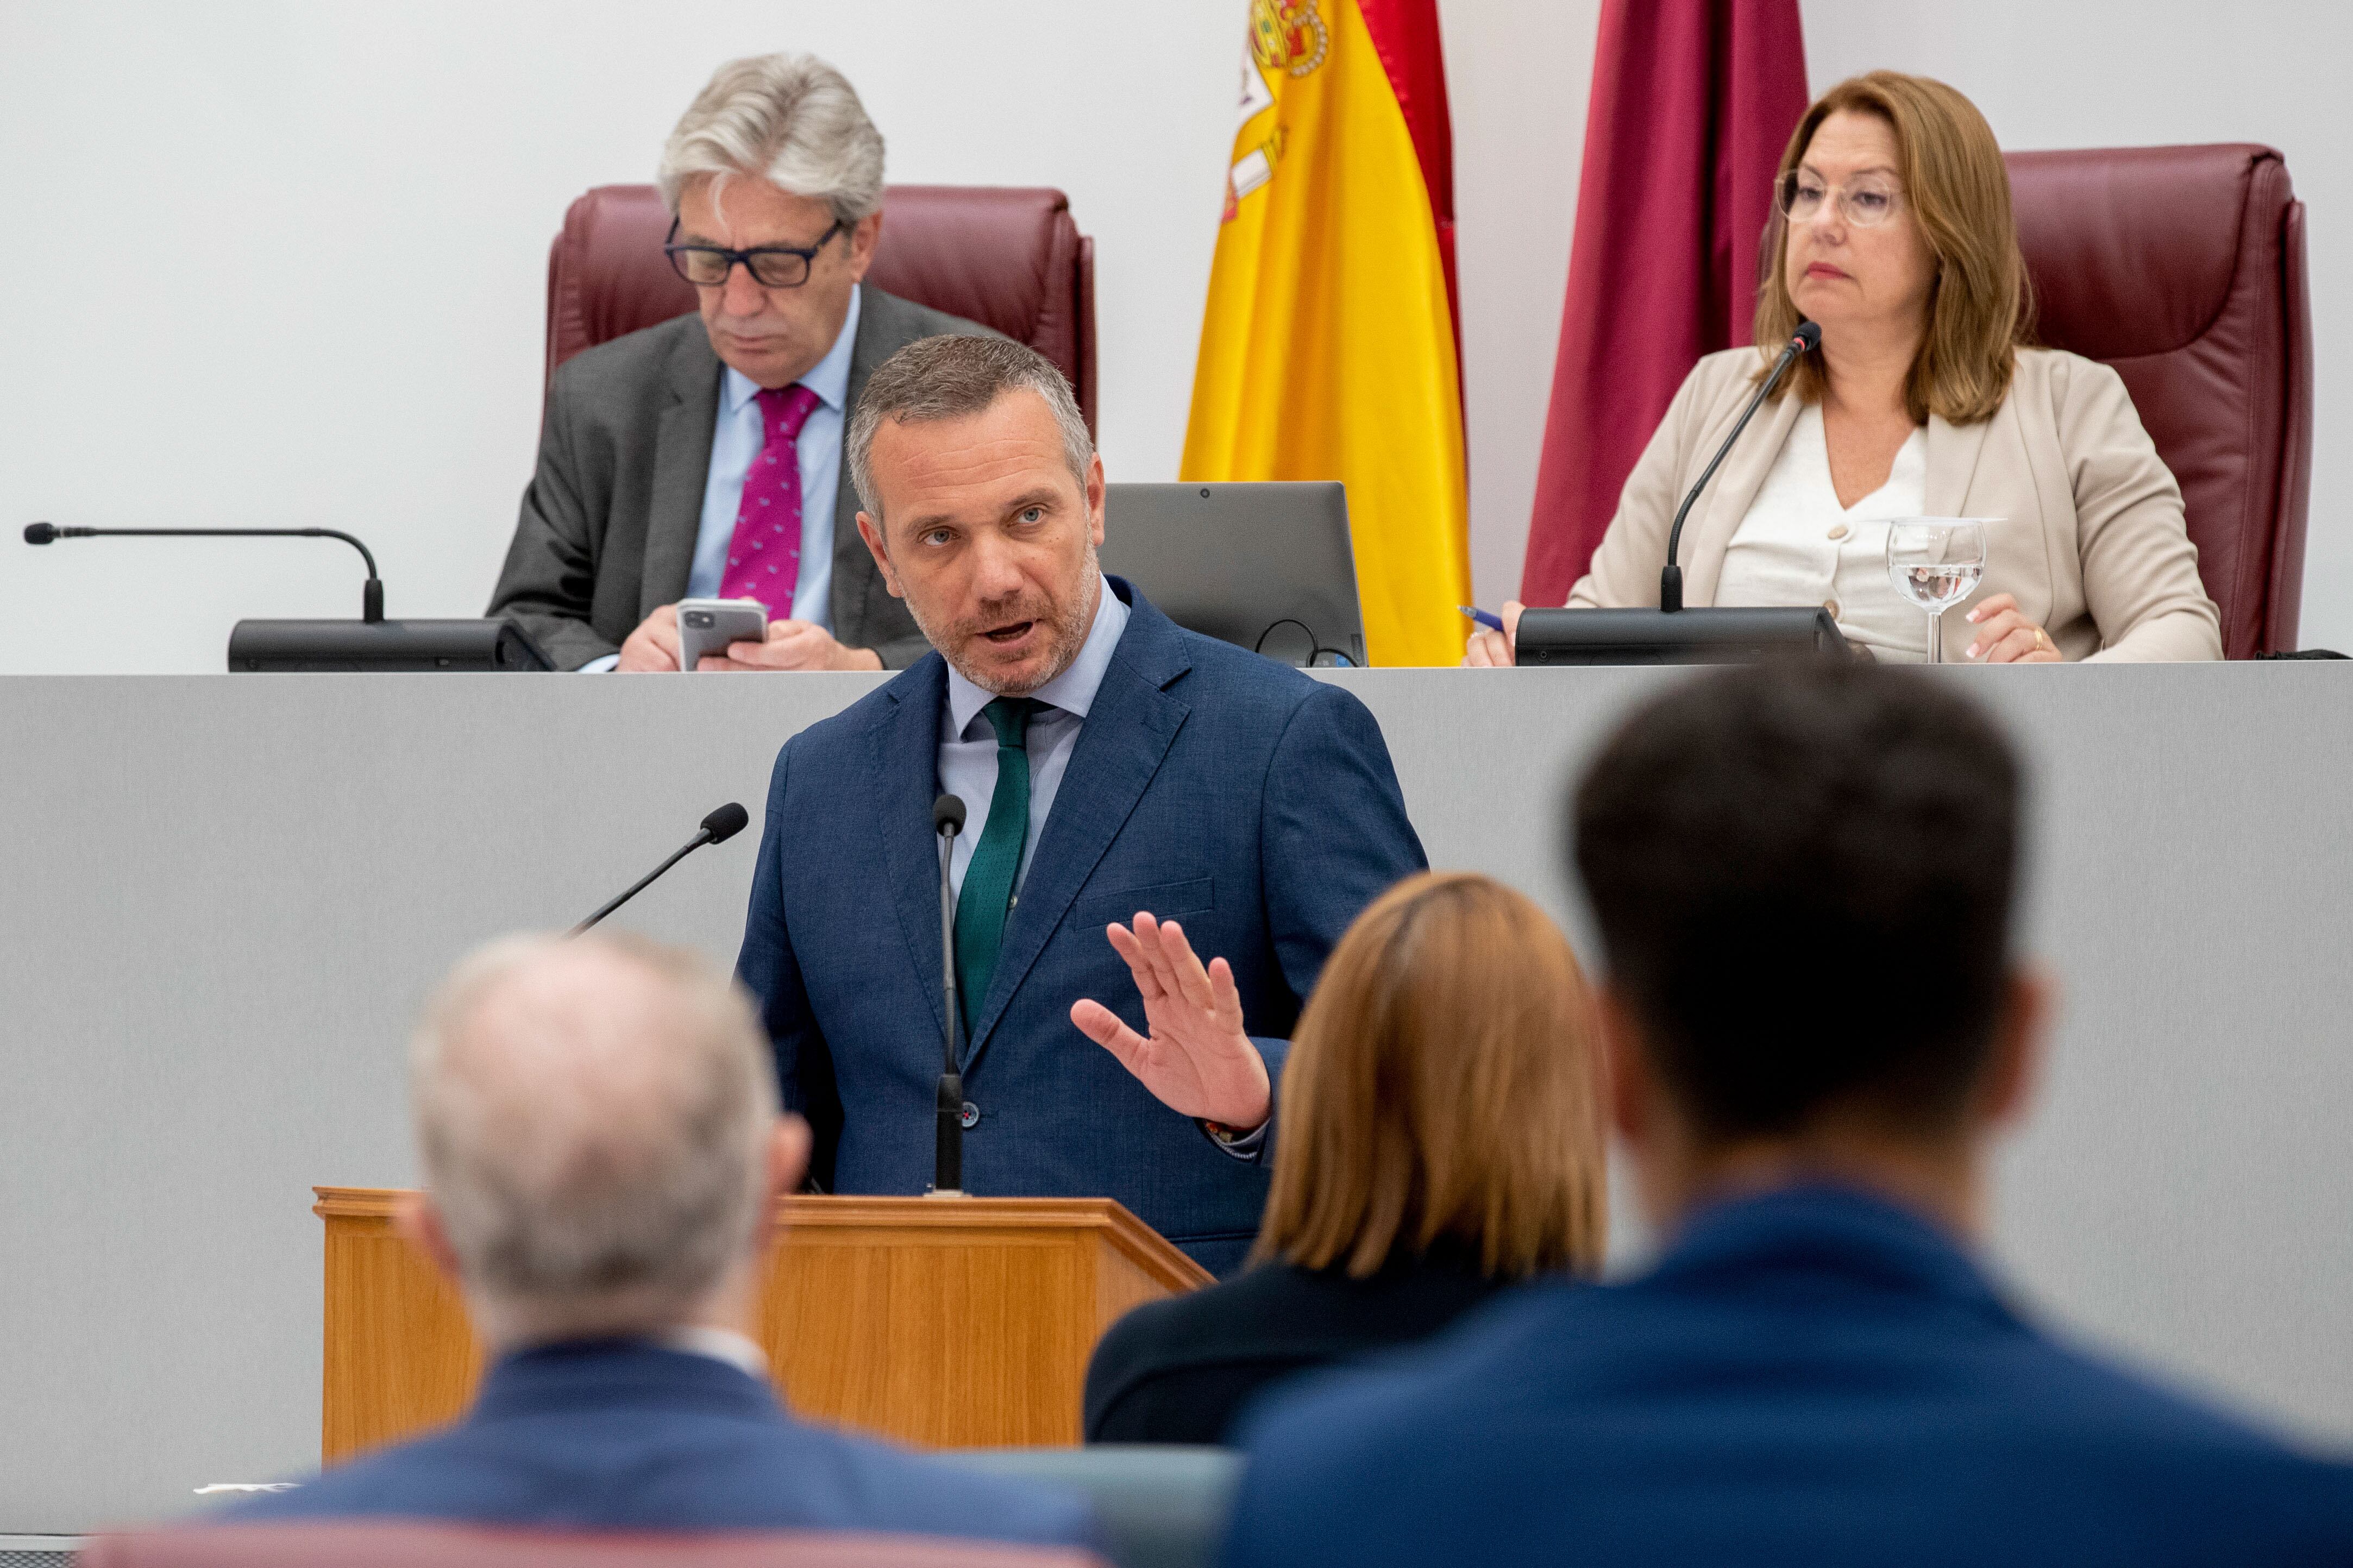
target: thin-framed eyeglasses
1870 200
771 266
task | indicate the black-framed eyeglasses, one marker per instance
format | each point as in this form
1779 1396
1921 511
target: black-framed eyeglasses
771 266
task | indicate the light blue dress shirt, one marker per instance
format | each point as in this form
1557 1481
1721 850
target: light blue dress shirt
735 440
968 747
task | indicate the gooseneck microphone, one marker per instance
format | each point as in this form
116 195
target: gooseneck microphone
947 1153
1806 338
717 829
371 592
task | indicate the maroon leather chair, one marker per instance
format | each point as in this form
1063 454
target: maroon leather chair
405 1545
2184 268
1010 258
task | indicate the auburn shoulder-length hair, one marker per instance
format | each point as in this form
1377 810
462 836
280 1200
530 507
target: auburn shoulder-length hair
1957 188
1442 1086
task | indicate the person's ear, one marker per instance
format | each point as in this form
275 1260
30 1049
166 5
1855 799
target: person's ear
788 1155
2020 1038
862 235
871 532
1095 499
417 1221
1627 1078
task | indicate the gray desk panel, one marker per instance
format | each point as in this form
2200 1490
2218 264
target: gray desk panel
224 898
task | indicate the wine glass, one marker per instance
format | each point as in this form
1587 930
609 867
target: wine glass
1936 563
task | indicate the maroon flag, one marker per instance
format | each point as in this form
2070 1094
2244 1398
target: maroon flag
1693 102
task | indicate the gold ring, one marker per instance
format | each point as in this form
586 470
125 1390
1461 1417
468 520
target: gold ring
2041 637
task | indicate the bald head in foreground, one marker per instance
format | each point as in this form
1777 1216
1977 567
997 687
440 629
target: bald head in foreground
602 1151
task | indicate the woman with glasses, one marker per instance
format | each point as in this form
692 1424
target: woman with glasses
1896 238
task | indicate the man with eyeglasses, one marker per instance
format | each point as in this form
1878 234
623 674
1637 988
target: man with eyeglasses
702 459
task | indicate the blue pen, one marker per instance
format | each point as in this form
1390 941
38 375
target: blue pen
1492 623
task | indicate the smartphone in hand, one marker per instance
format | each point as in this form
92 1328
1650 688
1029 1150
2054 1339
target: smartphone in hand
708 626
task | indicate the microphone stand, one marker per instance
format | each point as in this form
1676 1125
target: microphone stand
371 590
1671 577
947 1156
717 829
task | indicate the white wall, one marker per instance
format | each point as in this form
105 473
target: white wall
286 263
1517 72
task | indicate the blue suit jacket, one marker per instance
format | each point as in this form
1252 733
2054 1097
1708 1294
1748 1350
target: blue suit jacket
1252 804
1809 1377
620 1436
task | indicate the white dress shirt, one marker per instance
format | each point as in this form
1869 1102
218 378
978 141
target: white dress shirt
1797 545
736 439
719 1344
968 743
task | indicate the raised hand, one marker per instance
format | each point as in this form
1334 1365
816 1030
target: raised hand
1198 1060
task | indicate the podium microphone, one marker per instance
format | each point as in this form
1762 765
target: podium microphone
371 592
1806 338
948 1152
717 829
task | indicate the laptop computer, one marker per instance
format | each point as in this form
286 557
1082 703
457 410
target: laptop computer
1263 566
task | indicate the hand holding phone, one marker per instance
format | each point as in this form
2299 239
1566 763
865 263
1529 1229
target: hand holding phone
709 625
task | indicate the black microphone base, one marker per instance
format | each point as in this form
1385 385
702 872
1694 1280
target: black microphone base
1674 636
290 647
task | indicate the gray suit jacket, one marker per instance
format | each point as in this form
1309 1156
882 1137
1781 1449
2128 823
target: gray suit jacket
608 524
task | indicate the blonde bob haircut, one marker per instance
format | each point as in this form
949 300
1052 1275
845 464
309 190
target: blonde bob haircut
1957 188
1442 1086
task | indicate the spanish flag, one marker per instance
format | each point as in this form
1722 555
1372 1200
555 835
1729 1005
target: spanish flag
1328 348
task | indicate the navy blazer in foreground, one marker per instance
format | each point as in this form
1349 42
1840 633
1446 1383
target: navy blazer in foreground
1809 1378
1249 802
625 1436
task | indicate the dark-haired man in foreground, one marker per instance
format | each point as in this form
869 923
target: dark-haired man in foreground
1803 880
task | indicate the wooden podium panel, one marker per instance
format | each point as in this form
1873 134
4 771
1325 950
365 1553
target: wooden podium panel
951 1323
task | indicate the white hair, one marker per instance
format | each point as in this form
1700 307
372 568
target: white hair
594 1117
790 120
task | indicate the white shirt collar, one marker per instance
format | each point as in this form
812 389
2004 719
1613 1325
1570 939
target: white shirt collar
719 1344
830 380
1073 690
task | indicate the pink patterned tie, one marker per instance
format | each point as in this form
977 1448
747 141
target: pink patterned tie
764 558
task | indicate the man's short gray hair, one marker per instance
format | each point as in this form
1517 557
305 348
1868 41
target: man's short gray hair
790 120
950 377
594 1117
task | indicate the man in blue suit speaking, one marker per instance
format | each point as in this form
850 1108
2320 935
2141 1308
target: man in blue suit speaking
1137 795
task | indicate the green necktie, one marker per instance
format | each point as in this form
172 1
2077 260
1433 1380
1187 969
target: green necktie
987 892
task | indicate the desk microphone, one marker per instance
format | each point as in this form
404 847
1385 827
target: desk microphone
948 1152
717 829
1806 338
371 592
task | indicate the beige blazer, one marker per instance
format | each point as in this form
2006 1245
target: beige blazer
2092 540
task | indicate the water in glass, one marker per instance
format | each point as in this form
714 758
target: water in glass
1936 563
1936 589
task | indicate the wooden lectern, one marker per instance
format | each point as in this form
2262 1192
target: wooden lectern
949 1322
